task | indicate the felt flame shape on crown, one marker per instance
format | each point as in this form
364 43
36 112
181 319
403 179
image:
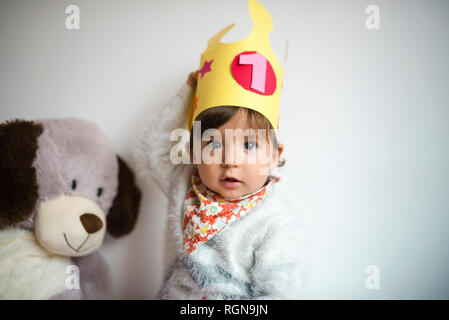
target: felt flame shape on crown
244 73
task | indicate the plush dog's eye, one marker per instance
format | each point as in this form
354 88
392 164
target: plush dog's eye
99 192
73 184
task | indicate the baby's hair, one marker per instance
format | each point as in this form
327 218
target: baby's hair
214 118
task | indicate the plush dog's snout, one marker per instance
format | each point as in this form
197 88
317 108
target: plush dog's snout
91 222
61 225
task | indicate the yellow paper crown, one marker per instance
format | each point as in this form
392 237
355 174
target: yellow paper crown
244 73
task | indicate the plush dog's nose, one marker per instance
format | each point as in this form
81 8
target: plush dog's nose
91 222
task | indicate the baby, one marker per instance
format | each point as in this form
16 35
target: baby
257 256
236 236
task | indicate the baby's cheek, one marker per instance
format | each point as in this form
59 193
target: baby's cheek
208 173
257 174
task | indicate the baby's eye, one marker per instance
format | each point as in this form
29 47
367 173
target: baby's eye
214 144
250 145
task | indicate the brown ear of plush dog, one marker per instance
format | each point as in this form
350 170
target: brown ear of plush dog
125 208
18 181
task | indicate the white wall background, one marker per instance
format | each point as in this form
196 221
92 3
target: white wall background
364 120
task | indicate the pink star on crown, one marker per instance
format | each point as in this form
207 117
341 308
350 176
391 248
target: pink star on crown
206 67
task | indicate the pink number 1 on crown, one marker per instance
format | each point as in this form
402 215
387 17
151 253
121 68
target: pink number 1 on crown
254 72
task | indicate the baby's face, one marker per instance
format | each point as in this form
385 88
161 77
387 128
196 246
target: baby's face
245 158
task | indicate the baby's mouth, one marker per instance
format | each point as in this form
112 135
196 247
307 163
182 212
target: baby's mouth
230 182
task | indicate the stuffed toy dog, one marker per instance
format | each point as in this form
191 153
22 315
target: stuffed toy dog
61 187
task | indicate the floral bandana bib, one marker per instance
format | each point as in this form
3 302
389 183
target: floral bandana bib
206 213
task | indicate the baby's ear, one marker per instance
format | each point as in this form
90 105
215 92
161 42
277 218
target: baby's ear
276 162
18 181
280 149
125 208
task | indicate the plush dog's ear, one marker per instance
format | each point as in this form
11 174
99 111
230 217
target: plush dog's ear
18 182
123 213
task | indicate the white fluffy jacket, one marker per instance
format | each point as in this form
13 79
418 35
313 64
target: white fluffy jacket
259 256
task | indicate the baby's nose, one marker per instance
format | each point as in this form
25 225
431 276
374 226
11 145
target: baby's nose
233 156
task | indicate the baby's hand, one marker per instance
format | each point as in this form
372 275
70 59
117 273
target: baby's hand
192 80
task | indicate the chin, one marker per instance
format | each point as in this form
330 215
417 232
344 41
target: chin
231 194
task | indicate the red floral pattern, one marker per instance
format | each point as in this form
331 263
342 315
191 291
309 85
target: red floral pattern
206 213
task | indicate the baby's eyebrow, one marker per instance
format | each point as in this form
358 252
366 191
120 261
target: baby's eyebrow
251 136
